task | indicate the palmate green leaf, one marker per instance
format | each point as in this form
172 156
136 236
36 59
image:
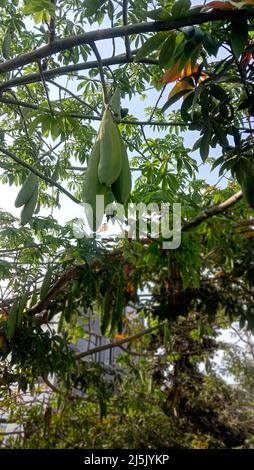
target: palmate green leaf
151 45
159 15
180 8
189 168
46 124
36 123
173 183
34 6
239 37
53 126
94 7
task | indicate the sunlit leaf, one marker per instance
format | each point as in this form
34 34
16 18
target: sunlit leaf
180 86
177 72
151 45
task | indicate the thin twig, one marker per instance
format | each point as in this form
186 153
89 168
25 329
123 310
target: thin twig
9 433
17 102
59 284
38 173
52 26
212 211
100 67
98 118
20 112
149 146
242 75
45 87
50 385
84 103
157 102
115 344
125 22
50 150
108 33
21 248
64 70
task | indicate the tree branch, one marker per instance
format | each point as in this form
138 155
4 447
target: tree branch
50 385
59 284
45 87
12 93
17 102
95 118
100 67
244 223
125 22
214 210
77 98
87 38
21 248
38 173
10 433
35 77
68 275
115 344
129 122
52 26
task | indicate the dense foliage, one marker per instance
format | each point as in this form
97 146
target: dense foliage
185 74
